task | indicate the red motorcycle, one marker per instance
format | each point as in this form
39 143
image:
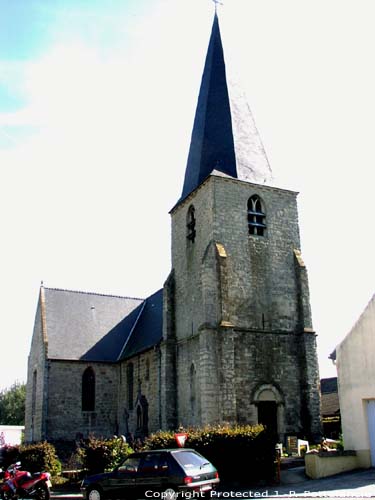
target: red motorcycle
22 484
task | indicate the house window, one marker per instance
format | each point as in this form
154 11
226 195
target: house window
190 225
130 385
256 216
88 390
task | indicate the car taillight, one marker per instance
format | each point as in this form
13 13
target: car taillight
188 480
216 475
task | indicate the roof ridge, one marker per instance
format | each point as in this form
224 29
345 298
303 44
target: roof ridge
142 306
92 293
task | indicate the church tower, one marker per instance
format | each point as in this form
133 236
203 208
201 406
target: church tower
239 345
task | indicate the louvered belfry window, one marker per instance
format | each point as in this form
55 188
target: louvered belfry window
190 225
256 217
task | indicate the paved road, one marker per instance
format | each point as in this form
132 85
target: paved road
352 485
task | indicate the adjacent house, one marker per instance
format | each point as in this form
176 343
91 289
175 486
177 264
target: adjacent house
331 419
355 361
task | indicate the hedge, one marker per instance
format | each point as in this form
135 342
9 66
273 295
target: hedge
99 455
33 457
243 454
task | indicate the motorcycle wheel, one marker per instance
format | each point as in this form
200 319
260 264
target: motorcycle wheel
42 492
6 495
95 493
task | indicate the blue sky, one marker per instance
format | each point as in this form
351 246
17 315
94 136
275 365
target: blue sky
97 101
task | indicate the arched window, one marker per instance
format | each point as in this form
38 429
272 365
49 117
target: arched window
147 376
33 395
192 389
130 385
88 390
256 216
190 224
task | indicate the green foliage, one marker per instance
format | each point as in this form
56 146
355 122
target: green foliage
99 455
240 453
10 455
12 405
33 457
40 457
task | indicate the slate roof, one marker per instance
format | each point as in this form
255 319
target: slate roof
328 385
96 327
329 396
224 135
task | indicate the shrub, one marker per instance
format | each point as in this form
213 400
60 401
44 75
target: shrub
99 455
40 457
240 453
10 455
33 457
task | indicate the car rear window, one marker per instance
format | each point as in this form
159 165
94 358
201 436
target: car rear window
190 460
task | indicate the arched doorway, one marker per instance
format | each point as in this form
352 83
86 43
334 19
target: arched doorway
270 407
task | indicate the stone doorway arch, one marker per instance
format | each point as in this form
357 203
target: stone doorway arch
270 405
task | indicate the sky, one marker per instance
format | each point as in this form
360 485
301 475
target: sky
97 101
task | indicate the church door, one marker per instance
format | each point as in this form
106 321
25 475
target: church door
267 415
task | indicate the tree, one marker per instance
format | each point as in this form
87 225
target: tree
12 405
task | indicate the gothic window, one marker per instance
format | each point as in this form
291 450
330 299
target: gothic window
190 225
139 417
192 388
33 395
147 377
88 390
256 216
130 385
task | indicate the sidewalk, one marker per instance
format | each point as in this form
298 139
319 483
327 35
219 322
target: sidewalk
355 484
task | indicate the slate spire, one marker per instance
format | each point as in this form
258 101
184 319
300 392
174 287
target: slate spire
224 136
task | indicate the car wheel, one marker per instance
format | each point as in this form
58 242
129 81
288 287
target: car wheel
169 494
95 493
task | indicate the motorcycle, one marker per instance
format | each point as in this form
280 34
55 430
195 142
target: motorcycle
22 484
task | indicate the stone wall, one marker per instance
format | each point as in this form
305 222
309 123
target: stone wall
36 386
65 418
242 311
142 414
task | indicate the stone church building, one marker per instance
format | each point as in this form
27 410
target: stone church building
229 337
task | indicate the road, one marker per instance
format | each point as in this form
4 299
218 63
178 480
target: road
352 485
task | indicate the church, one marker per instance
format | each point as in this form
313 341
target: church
227 339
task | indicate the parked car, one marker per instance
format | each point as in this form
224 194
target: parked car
154 474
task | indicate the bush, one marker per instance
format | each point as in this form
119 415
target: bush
241 453
99 455
33 457
10 455
40 457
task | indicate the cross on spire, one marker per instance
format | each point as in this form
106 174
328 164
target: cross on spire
216 2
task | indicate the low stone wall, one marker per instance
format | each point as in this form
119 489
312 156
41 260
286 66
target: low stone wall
324 464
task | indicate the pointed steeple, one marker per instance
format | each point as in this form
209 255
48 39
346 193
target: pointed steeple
224 136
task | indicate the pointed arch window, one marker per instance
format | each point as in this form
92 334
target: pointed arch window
190 224
88 390
192 389
33 395
256 217
130 385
